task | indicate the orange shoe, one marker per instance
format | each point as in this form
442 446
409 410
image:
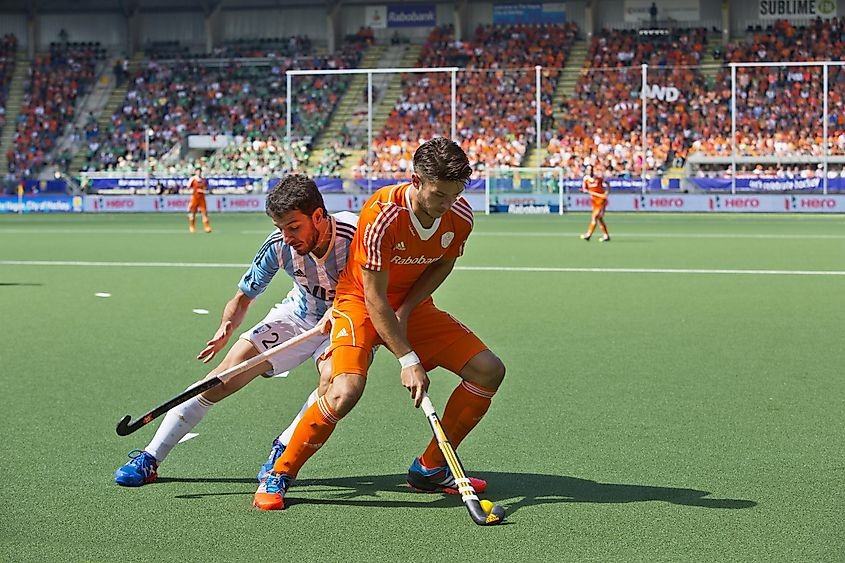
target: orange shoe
192 229
208 229
271 492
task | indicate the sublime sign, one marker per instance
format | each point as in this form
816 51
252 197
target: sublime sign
777 9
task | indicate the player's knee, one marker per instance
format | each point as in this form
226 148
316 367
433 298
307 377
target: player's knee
344 392
485 369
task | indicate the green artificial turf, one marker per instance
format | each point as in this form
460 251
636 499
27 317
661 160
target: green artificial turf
673 395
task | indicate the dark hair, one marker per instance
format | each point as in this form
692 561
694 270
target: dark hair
296 192
442 159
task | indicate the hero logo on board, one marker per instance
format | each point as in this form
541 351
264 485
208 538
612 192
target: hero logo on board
731 202
810 203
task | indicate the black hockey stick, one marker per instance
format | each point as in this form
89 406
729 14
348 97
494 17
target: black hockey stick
125 427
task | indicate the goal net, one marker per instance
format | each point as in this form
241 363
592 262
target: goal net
524 190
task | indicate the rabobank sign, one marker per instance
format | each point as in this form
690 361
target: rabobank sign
414 15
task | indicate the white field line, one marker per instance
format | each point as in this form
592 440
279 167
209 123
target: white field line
567 234
713 271
796 236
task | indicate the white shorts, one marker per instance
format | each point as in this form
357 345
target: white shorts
281 325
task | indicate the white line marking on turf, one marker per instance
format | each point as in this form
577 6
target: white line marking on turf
102 294
796 236
188 436
201 311
36 231
464 268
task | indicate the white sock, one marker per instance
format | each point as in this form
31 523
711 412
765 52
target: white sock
178 421
285 436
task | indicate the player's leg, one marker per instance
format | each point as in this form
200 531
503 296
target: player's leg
277 327
181 419
313 431
454 347
206 225
350 353
324 367
602 224
592 225
192 216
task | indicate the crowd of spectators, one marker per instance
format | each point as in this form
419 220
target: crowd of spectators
170 100
55 80
779 109
495 105
602 122
8 49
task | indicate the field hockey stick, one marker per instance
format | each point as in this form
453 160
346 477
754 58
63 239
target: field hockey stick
124 427
468 496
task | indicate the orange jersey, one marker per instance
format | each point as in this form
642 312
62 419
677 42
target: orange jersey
390 238
198 185
595 187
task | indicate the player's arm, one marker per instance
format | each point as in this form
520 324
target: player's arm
233 315
384 320
426 284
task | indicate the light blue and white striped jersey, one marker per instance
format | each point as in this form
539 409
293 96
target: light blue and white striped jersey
314 279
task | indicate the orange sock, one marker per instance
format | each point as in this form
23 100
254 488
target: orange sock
206 225
603 228
466 406
311 433
591 228
191 224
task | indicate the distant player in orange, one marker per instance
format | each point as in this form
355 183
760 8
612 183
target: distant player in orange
408 239
594 185
199 187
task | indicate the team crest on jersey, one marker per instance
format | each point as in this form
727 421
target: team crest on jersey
447 239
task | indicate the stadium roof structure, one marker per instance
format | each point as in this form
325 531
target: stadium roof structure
128 7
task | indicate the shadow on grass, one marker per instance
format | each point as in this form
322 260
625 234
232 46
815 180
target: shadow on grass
15 284
513 490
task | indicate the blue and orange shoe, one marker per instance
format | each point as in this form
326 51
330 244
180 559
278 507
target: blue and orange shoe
275 453
271 492
140 470
438 480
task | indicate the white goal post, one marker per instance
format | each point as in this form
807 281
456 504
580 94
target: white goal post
524 190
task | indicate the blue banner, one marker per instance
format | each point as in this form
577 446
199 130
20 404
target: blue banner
764 185
413 15
41 204
509 14
172 182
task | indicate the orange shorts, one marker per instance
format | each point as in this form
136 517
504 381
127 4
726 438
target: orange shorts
197 202
438 338
598 208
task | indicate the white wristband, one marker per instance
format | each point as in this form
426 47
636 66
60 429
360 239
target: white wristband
409 359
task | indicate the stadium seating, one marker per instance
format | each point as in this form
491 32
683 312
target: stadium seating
495 113
779 109
240 99
603 121
56 80
8 48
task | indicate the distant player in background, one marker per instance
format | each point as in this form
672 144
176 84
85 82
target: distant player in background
199 187
312 248
408 240
594 185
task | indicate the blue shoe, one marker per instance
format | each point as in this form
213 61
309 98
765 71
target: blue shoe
271 492
438 480
140 470
275 453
